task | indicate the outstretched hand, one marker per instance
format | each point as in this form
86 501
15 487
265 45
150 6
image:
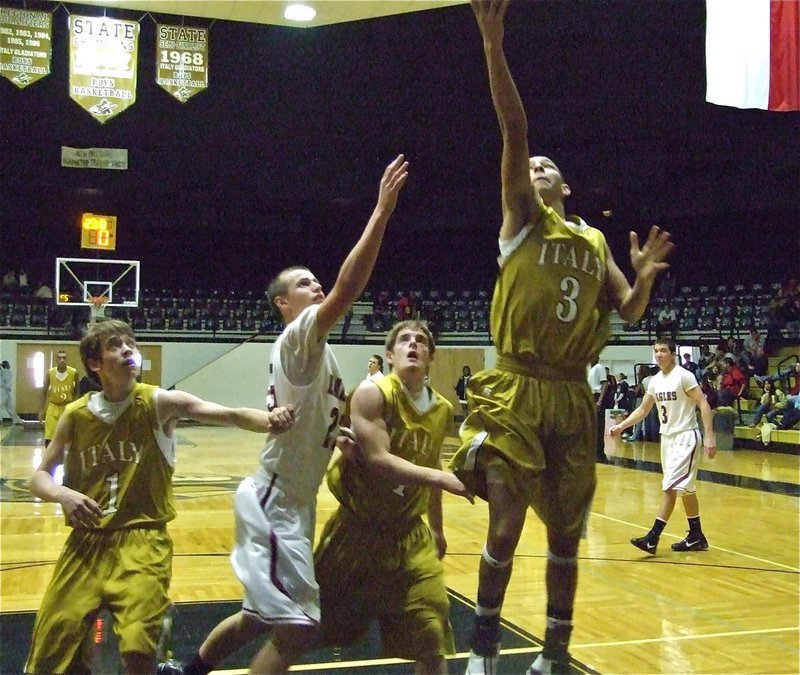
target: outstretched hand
648 260
489 15
394 177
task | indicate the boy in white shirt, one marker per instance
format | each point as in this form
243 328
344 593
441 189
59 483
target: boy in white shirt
675 392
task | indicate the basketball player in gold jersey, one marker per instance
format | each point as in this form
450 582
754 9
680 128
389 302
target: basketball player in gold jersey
529 437
60 388
118 451
377 559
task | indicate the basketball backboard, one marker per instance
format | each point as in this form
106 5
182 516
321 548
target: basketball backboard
78 280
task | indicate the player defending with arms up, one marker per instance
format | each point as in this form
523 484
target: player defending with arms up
276 508
529 437
675 393
118 450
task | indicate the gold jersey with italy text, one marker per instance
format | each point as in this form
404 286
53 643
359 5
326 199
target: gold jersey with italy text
124 463
61 392
416 436
549 305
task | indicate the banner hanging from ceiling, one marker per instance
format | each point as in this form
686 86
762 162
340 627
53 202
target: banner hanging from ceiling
26 45
181 60
103 54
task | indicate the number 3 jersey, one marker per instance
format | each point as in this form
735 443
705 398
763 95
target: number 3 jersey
549 306
676 411
303 372
119 456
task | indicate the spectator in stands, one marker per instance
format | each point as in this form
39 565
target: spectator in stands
765 403
10 280
43 292
666 286
791 416
690 365
375 368
404 310
22 279
667 323
784 374
754 346
779 406
622 394
705 360
793 317
709 391
417 306
733 383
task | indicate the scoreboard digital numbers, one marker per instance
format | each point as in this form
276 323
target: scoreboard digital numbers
99 232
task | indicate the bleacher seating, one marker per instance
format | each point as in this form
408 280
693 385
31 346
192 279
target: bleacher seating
704 313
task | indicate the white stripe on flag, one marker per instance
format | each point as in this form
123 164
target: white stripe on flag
738 52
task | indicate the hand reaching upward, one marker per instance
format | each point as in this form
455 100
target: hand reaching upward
648 260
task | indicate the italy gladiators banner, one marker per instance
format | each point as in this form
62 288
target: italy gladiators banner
26 45
102 64
181 60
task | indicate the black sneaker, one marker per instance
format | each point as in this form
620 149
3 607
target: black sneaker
169 668
691 543
646 544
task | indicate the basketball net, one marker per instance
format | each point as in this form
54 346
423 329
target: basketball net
97 307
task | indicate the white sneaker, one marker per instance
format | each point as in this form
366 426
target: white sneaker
482 665
543 666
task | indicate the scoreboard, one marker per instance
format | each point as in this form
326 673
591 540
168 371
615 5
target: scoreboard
99 232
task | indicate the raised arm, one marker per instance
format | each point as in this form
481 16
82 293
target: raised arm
517 192
372 435
357 267
647 262
175 404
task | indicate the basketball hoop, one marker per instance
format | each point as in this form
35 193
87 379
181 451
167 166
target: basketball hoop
97 307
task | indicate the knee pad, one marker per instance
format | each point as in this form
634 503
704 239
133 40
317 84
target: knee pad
558 560
493 563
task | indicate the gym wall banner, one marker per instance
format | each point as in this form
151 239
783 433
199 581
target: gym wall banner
26 45
103 54
181 60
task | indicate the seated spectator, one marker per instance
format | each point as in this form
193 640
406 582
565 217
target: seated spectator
704 361
779 406
10 280
732 384
22 279
784 374
44 292
754 346
667 323
791 416
765 403
404 310
709 391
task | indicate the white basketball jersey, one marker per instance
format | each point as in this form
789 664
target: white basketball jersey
303 372
676 411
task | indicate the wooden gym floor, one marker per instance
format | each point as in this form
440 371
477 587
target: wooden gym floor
731 609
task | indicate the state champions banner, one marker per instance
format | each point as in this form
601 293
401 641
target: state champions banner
181 60
103 56
26 45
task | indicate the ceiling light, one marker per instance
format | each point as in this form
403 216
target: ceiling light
299 13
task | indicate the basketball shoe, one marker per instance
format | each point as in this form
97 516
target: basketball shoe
691 543
646 543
